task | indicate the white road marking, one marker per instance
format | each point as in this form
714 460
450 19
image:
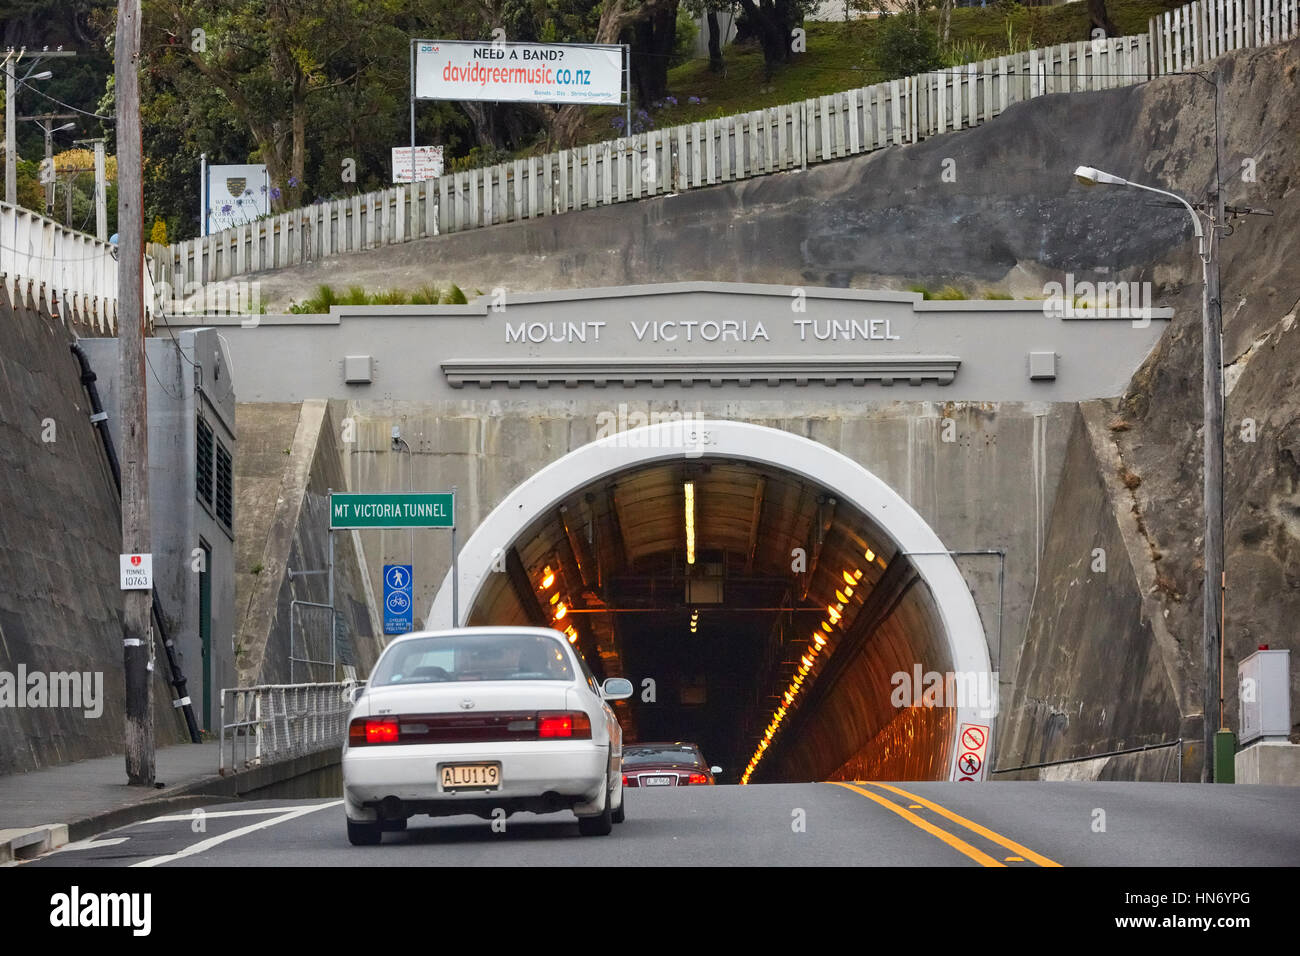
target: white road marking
209 843
214 814
91 844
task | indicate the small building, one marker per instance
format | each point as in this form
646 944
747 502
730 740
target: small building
191 401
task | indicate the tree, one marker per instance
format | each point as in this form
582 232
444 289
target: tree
272 59
772 23
1100 19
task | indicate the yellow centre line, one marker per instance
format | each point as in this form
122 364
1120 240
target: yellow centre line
971 825
958 844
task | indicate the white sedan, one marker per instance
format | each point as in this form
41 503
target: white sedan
482 720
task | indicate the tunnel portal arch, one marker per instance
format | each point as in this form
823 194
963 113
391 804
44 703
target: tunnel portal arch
819 464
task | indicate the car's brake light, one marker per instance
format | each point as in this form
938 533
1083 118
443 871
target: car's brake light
698 778
569 724
625 780
367 730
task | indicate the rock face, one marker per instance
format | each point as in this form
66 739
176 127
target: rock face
1147 454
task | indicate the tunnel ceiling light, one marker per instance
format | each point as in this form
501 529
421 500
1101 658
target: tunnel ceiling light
852 577
870 555
560 611
818 640
555 598
689 488
827 628
833 613
548 577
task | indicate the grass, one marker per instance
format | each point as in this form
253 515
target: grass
319 303
840 57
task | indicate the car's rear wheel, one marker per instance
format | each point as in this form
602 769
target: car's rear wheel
602 824
364 834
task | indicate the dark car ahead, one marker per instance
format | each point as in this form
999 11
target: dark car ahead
665 765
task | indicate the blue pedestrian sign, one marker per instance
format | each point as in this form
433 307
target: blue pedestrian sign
399 599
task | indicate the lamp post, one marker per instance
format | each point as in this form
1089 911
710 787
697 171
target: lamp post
11 115
1214 583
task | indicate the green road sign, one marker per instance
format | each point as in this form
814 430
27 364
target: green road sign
397 510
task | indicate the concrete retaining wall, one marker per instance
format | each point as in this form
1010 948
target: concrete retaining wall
60 536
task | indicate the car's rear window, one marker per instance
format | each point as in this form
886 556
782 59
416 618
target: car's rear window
677 756
473 657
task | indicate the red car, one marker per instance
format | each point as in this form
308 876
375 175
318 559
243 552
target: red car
665 765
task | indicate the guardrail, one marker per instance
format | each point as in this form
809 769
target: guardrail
75 272
1109 753
674 159
279 721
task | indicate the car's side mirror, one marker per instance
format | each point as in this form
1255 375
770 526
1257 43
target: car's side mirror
715 770
616 688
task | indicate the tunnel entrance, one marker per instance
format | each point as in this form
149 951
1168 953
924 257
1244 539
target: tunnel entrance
770 599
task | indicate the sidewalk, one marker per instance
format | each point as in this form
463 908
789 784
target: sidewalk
91 796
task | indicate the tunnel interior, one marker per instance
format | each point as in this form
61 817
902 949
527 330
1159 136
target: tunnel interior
756 613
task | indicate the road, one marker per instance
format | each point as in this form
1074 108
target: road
822 824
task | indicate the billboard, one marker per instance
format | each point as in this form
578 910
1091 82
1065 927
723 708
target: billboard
518 72
428 163
234 195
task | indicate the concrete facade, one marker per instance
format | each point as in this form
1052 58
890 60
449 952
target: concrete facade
189 382
962 408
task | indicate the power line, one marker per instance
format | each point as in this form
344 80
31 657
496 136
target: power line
67 106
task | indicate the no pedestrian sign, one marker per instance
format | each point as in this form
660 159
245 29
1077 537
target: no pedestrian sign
137 571
973 743
397 510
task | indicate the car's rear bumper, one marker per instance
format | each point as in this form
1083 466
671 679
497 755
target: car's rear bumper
568 772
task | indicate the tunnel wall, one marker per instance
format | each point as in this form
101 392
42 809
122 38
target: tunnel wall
991 487
289 460
1099 671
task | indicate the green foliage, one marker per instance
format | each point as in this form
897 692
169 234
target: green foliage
906 44
684 37
319 303
961 52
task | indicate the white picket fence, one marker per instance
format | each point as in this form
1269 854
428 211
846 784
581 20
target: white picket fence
655 163
74 275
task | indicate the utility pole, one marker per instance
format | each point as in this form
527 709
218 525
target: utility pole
137 650
1212 446
11 140
45 121
101 194
11 60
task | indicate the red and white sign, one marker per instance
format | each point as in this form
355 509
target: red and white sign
137 571
972 743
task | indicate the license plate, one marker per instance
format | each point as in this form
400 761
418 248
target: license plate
658 781
481 776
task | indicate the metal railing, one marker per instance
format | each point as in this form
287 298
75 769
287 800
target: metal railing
1109 753
280 721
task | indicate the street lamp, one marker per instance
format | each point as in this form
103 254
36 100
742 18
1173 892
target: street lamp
12 82
1212 441
49 161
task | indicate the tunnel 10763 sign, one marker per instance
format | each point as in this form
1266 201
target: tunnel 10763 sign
398 510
